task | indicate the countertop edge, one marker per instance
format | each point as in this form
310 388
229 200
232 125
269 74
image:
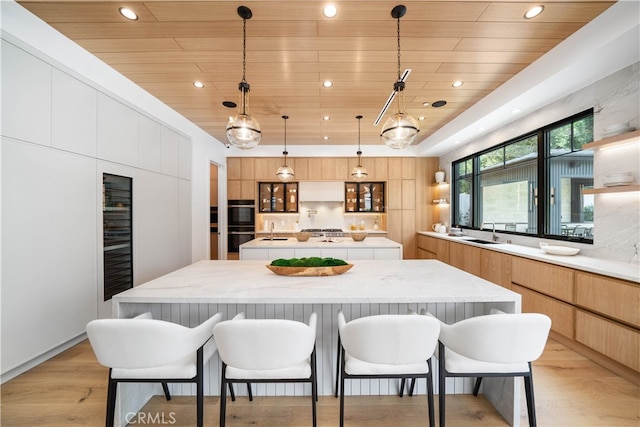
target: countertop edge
614 269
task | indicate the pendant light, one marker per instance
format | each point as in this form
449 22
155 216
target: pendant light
285 173
400 130
243 130
359 173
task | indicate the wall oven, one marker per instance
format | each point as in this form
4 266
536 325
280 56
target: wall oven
241 223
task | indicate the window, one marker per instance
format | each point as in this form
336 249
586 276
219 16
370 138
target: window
531 185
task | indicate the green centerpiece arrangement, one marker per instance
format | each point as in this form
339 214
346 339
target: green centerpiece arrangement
311 266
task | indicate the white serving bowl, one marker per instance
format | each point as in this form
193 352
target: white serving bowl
558 250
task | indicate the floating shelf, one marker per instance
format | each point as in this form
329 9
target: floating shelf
613 140
618 189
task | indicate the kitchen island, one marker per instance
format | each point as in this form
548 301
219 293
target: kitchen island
335 247
190 295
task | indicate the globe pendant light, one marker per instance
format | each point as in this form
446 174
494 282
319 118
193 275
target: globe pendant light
359 173
400 130
285 173
243 130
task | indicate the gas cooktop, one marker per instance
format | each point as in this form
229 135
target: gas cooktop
327 232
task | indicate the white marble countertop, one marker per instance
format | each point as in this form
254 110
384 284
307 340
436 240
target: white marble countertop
609 268
250 282
317 242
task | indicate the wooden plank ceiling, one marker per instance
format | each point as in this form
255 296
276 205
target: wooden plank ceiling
292 48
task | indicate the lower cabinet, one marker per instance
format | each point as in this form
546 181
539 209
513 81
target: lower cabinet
562 314
496 267
618 342
589 310
548 279
609 297
465 257
432 248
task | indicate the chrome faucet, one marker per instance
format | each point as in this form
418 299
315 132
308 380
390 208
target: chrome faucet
494 237
272 225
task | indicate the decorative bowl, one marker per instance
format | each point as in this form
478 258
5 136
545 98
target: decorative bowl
309 271
302 236
558 250
358 236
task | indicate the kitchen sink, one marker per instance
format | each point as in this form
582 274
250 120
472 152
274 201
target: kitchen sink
482 242
275 238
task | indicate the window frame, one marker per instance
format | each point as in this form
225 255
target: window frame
540 199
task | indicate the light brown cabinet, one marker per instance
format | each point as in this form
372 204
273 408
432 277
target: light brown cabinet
432 248
616 341
496 267
616 299
551 280
466 257
562 314
596 315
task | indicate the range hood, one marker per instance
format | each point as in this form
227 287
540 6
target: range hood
321 191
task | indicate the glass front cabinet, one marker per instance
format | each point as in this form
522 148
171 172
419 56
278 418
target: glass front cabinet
278 197
364 196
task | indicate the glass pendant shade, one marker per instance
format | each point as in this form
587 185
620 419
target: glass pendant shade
244 130
400 130
285 173
359 173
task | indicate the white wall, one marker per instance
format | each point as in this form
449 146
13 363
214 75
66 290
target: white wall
66 119
615 99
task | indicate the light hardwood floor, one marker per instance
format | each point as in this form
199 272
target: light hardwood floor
70 390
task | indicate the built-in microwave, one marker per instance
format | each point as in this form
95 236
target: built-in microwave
241 212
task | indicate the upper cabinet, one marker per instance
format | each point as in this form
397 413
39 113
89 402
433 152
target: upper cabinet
364 196
278 197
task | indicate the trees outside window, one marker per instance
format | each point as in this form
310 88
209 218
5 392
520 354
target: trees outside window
531 185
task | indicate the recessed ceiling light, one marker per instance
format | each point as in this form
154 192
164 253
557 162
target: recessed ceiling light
128 13
533 12
330 11
421 118
425 104
325 118
327 83
439 104
198 84
457 83
325 137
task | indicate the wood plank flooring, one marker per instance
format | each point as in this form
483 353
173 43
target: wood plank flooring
70 390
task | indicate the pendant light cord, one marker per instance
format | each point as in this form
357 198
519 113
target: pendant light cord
285 139
359 153
398 19
244 49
